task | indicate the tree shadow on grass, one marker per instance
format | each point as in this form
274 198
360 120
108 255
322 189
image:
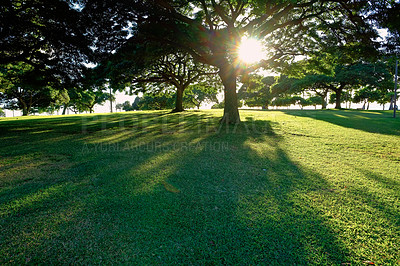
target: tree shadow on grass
380 122
369 121
179 194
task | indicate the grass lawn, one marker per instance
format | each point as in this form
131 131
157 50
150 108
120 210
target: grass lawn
283 187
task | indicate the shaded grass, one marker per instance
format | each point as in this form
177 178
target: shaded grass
287 187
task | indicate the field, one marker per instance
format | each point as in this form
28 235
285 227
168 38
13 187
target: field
283 187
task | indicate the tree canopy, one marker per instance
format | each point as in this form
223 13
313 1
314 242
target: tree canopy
211 31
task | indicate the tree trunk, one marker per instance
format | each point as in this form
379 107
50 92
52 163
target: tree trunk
323 96
231 111
391 103
25 110
179 101
111 108
368 106
338 99
65 109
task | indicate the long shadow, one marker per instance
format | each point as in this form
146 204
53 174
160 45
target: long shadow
170 191
380 122
228 211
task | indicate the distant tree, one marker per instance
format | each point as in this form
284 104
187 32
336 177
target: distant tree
126 106
343 77
59 99
218 106
302 102
284 101
118 106
160 101
316 100
135 104
198 94
333 99
366 95
2 113
318 84
256 91
26 87
90 97
385 98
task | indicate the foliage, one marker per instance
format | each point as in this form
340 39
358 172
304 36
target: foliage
135 104
24 87
119 106
46 34
199 94
159 101
88 98
210 31
83 99
283 101
367 95
256 91
218 106
386 14
344 77
126 106
316 100
149 68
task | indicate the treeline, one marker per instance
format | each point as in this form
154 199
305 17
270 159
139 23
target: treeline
317 82
193 97
304 83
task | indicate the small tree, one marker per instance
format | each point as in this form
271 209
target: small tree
283 101
316 100
126 106
198 94
118 106
26 87
256 91
159 101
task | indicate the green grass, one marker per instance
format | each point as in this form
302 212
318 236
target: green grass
283 187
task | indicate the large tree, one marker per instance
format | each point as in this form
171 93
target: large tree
211 30
25 87
46 34
141 72
344 77
49 37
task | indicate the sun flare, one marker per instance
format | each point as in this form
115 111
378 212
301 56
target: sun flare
250 50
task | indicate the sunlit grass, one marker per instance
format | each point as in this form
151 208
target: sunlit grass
284 187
